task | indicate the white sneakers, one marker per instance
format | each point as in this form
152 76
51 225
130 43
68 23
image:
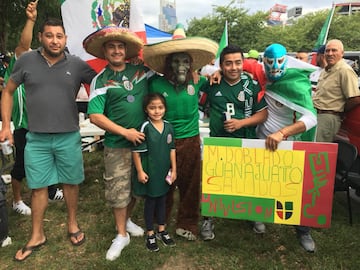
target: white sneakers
21 208
118 244
59 196
133 229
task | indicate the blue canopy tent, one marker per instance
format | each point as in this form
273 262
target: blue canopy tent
154 35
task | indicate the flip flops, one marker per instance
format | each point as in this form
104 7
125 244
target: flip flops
76 235
31 249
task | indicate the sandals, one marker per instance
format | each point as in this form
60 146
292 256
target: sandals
76 236
31 249
186 234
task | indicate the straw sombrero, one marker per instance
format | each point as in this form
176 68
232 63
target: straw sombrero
93 43
202 50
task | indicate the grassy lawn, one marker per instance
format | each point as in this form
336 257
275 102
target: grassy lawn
235 245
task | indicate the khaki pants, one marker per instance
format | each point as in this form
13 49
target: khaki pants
327 127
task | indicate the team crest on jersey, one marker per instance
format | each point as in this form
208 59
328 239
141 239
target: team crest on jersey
191 90
241 96
128 85
115 12
169 138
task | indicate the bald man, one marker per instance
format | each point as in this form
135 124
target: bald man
337 92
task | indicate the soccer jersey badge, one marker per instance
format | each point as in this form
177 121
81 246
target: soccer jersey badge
191 90
241 96
128 85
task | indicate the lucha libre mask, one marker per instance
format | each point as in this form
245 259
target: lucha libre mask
275 61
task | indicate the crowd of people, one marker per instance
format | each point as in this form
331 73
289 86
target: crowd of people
150 114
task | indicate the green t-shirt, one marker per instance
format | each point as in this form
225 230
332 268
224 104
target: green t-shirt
155 159
239 100
182 109
19 113
119 96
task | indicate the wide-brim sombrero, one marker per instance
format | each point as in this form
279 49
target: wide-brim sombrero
202 51
93 43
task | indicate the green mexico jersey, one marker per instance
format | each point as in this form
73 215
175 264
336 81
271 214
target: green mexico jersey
240 101
119 96
19 115
182 105
155 159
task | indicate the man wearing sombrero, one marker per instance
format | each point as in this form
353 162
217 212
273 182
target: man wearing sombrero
176 59
115 105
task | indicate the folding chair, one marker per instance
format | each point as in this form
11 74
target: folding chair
347 154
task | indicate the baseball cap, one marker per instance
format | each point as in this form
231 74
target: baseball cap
253 54
321 49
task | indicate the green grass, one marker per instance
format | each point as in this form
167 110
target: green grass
235 245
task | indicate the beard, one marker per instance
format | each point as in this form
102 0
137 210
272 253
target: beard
51 53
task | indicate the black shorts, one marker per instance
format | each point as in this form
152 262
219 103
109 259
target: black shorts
18 171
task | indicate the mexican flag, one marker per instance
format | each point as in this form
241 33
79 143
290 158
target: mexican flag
294 91
222 44
82 17
325 29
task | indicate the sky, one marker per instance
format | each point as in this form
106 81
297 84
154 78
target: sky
188 9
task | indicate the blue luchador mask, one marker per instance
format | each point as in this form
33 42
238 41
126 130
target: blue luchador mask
275 61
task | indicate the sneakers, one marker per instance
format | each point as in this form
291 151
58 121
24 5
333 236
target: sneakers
259 227
207 230
117 246
6 178
6 242
165 238
307 242
133 229
186 234
58 196
151 243
21 208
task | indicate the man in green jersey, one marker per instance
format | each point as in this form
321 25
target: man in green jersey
115 105
236 108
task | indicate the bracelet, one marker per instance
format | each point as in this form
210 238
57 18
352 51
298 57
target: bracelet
284 137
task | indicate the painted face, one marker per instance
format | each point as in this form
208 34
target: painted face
275 61
180 64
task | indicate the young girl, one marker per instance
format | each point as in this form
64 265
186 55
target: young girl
155 164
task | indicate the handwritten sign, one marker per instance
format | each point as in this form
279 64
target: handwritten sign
293 185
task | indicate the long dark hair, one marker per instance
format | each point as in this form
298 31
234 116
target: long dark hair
153 96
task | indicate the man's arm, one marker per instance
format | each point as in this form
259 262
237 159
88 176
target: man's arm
131 134
351 103
257 118
6 109
27 32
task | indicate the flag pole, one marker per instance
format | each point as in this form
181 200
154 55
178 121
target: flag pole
328 26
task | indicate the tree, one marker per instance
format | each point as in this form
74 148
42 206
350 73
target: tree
12 20
251 32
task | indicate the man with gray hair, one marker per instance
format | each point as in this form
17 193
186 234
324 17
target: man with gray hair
337 92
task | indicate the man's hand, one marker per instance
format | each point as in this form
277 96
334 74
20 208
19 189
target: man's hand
215 78
232 125
31 11
134 136
5 134
272 141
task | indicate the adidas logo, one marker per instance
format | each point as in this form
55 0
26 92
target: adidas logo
218 94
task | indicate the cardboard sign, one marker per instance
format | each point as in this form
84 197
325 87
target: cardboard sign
292 185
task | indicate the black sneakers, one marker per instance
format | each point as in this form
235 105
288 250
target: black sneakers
165 238
151 243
